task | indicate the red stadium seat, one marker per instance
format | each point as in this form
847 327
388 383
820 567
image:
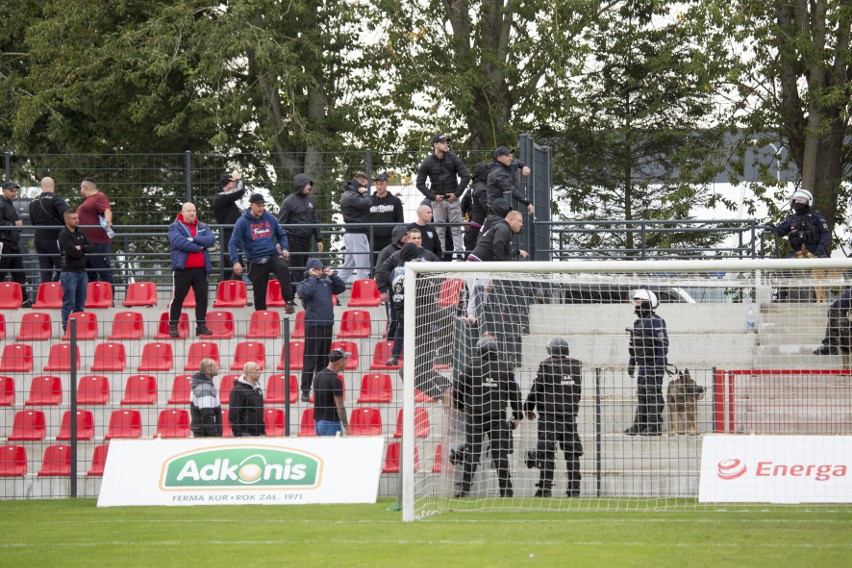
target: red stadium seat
59 358
273 418
7 391
365 294
173 423
2 327
99 458
376 387
11 296
249 351
299 328
156 357
349 347
181 390
35 326
450 293
221 323
13 461
276 391
264 324
297 352
274 297
17 358
49 296
140 294
307 426
381 353
393 458
124 424
28 425
198 351
85 425
56 461
421 423
98 295
226 385
189 302
109 357
355 323
127 325
87 326
140 390
365 422
421 397
93 389
231 294
163 327
438 463
226 425
45 390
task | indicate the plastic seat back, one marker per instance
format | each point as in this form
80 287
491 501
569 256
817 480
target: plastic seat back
28 425
355 323
276 391
140 389
221 323
274 297
93 389
56 461
181 390
59 358
2 327
264 324
422 426
231 294
297 353
199 351
156 356
273 418
45 390
173 423
13 461
450 293
124 424
35 326
7 391
249 351
127 325
307 426
393 457
365 422
98 295
11 296
109 357
85 425
99 458
381 353
376 387
299 327
87 326
140 294
365 293
17 358
226 385
49 296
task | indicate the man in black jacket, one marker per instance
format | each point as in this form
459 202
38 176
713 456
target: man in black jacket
448 180
10 235
501 180
245 406
47 210
483 392
205 410
399 237
73 245
355 207
386 208
226 212
496 243
428 232
475 202
298 209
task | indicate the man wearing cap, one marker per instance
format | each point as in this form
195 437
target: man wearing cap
265 247
10 235
297 209
386 208
329 411
189 243
226 212
448 179
316 292
501 180
355 204
95 218
47 215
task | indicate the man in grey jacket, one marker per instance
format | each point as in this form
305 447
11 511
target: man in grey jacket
205 410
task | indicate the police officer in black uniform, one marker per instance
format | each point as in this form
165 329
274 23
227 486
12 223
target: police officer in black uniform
482 393
804 226
555 394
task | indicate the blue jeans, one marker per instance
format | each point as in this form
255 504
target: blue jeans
97 263
73 293
328 428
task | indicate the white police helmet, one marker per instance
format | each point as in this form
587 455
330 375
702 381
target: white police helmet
803 195
645 296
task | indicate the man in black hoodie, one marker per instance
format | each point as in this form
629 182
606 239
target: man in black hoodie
245 405
298 209
496 242
355 207
11 259
226 212
386 208
475 202
399 237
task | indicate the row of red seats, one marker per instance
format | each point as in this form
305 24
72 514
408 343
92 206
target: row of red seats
263 324
31 425
46 390
158 356
57 460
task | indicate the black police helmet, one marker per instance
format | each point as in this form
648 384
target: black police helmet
487 347
558 347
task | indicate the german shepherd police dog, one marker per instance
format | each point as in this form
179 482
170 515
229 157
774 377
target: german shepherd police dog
682 397
818 274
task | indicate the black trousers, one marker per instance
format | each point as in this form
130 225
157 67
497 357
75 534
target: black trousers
182 281
550 437
317 346
12 262
300 251
258 275
500 441
48 259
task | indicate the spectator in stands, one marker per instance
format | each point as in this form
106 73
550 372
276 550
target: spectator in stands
96 223
316 292
399 236
475 203
837 331
555 393
10 235
355 207
226 212
501 180
298 209
496 212
448 180
428 233
204 408
386 208
189 242
245 406
495 244
483 392
805 227
649 347
73 246
265 246
47 215
329 410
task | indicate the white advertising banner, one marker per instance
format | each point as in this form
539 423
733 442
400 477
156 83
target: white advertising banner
223 471
775 469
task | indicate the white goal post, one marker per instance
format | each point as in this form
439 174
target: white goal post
745 332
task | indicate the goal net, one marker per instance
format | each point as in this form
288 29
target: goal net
599 386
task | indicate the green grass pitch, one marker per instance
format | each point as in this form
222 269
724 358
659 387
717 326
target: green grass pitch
76 533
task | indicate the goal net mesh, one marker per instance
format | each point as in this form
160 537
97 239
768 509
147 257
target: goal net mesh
625 399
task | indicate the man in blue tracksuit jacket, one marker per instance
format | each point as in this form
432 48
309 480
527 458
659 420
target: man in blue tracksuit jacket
189 244
316 291
265 248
